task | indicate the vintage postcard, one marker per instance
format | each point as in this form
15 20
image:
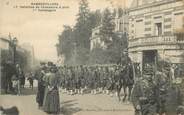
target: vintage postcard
91 57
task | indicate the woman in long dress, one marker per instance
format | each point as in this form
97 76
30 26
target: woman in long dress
51 102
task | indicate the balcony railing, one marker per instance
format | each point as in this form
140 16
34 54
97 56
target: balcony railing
155 40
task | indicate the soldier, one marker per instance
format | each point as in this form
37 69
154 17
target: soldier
161 85
108 80
72 81
149 95
89 78
117 79
180 108
69 75
86 77
101 75
78 79
83 80
143 96
104 82
97 80
92 79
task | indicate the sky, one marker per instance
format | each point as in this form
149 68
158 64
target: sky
41 29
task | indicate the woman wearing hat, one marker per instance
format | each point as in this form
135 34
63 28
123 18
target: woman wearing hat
51 100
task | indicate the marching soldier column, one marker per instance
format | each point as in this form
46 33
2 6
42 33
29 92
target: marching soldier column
150 94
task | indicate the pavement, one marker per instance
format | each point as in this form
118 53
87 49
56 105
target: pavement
86 104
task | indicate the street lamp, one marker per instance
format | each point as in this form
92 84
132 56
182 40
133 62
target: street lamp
14 41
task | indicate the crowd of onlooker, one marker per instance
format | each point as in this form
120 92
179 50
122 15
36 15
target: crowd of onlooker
14 78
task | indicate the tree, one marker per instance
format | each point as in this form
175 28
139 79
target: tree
66 43
98 56
74 43
115 49
82 33
107 28
94 19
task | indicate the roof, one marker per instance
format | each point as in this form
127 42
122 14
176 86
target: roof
4 39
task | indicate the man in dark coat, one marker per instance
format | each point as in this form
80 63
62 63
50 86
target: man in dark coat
30 79
41 88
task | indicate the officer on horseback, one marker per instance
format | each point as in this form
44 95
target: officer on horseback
126 77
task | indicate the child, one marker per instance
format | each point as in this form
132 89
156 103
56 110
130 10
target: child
15 84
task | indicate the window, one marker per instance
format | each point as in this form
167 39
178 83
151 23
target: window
148 17
158 29
139 28
157 17
147 29
178 21
167 20
167 26
167 33
148 23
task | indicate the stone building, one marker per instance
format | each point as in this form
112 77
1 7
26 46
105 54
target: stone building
121 22
152 31
95 40
121 28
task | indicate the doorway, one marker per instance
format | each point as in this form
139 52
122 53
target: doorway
149 62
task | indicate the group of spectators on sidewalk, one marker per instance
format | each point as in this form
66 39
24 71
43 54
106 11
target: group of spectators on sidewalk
14 77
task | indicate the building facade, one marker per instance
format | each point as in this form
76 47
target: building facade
152 31
5 49
95 40
4 43
121 22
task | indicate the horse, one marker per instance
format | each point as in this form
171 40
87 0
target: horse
125 80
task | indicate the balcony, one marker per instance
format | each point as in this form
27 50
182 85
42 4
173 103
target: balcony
155 40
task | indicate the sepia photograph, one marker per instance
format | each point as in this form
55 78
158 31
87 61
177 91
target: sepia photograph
91 57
